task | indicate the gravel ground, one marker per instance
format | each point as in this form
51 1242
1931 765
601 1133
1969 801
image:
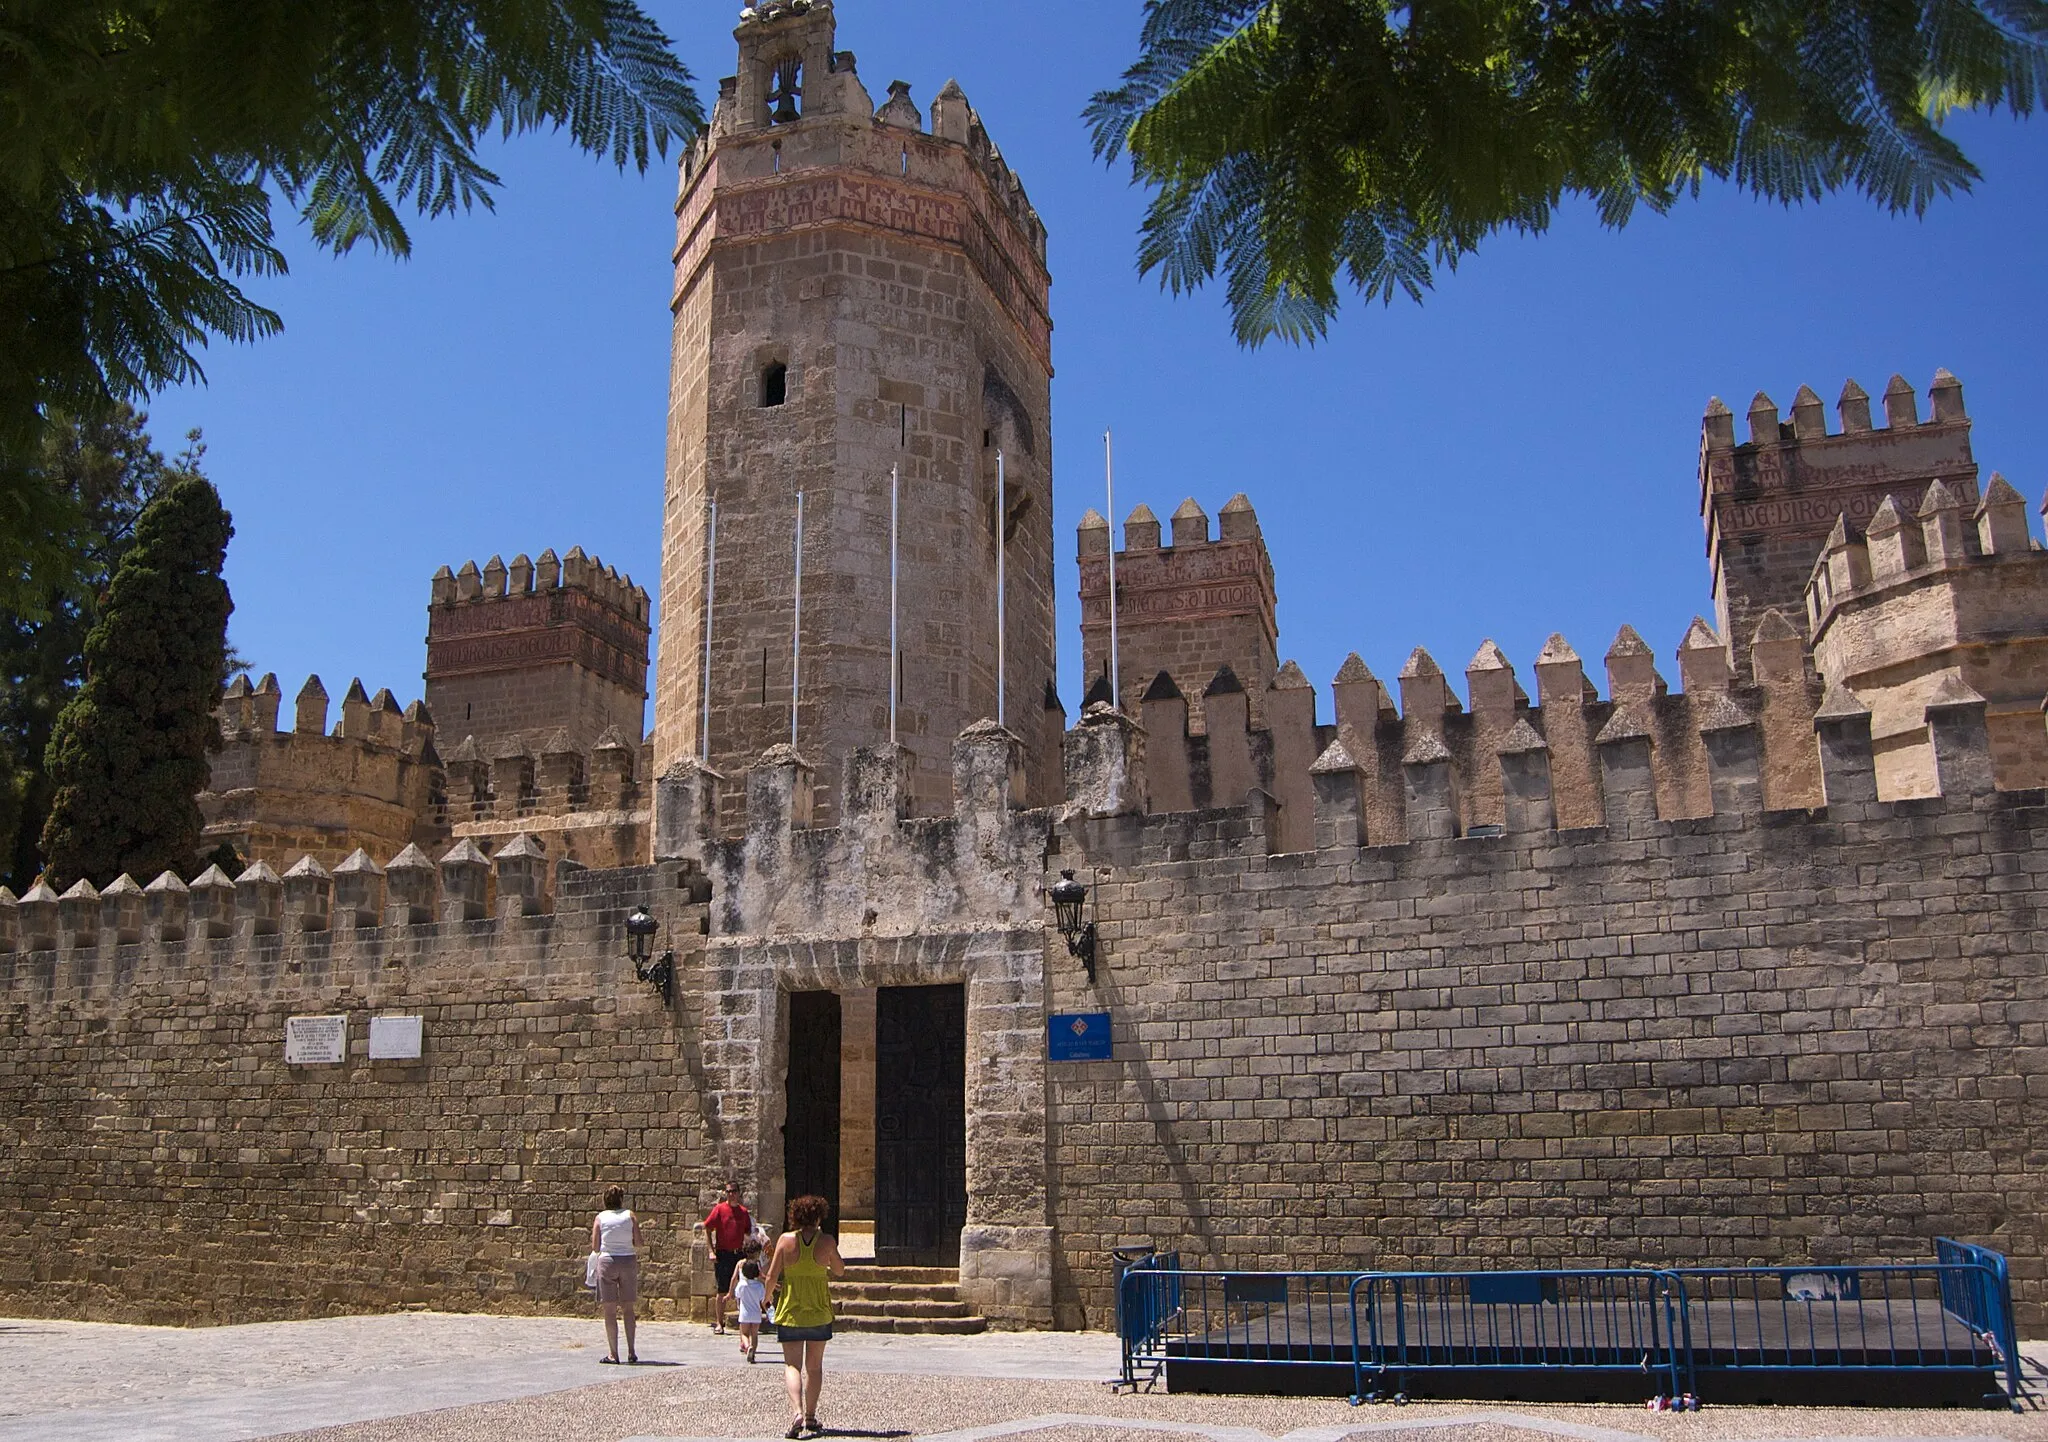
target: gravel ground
441 1378
749 1403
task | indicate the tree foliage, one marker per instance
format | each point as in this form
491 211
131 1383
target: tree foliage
103 472
141 142
1293 141
129 753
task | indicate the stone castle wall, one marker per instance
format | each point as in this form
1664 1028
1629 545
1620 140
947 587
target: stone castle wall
1751 1036
274 795
1922 605
585 804
167 1166
1187 609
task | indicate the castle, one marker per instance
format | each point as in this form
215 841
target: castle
1746 971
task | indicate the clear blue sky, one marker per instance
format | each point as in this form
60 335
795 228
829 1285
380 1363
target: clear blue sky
1513 457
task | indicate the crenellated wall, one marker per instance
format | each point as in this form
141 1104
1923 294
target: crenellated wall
1751 1037
166 1164
522 651
1499 759
1755 1035
1943 602
374 782
1768 503
586 803
1186 610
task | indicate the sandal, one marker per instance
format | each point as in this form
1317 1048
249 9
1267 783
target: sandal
609 1361
632 1359
796 1429
812 1425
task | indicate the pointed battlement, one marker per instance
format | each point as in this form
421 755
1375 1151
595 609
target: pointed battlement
584 802
1438 765
1203 602
337 926
521 650
1769 501
1943 595
272 794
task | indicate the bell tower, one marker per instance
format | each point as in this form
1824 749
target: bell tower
854 291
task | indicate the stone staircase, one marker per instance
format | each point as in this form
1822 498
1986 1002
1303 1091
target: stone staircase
903 1299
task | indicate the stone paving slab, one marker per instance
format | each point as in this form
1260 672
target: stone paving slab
98 1382
425 1377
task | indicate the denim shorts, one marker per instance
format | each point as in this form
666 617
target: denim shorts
804 1334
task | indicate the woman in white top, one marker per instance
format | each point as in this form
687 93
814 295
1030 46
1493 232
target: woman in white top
615 1237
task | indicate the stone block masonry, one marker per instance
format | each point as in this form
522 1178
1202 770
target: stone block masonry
278 795
1768 503
1751 1036
1184 610
167 1166
516 653
855 295
1804 1036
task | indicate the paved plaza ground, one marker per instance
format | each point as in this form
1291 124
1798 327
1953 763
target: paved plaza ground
436 1378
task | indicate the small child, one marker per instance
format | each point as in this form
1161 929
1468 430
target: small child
752 1295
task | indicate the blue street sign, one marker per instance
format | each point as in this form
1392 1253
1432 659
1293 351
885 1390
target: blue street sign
1077 1036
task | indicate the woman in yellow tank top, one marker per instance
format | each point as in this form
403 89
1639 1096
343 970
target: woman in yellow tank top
805 1259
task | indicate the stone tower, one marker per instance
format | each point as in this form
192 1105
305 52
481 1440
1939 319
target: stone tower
853 291
518 652
1769 504
1187 609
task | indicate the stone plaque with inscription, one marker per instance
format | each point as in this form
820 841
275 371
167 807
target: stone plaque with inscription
315 1040
395 1038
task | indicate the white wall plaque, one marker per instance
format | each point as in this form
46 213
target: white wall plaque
395 1038
315 1040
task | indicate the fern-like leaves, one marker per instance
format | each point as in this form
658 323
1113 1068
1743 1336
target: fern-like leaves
1288 142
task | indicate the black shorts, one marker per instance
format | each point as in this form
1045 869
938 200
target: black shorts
723 1265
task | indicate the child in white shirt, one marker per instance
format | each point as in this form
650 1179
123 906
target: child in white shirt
752 1295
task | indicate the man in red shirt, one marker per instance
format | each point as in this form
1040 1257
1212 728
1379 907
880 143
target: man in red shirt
727 1229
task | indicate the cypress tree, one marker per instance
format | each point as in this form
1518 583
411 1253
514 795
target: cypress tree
128 756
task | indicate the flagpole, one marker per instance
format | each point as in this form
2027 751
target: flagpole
1002 504
895 493
1109 487
710 594
796 630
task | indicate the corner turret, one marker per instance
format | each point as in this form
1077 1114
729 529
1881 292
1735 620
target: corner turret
1767 504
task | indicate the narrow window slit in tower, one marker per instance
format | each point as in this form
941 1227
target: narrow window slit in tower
906 160
775 384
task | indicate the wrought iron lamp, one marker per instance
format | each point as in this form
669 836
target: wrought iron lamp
1069 901
658 972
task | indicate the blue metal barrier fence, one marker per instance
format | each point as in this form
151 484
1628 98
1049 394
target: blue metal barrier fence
1919 1333
1470 1322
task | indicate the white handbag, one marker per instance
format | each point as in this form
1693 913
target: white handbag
590 1270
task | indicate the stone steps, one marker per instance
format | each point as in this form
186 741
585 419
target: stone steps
904 1299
